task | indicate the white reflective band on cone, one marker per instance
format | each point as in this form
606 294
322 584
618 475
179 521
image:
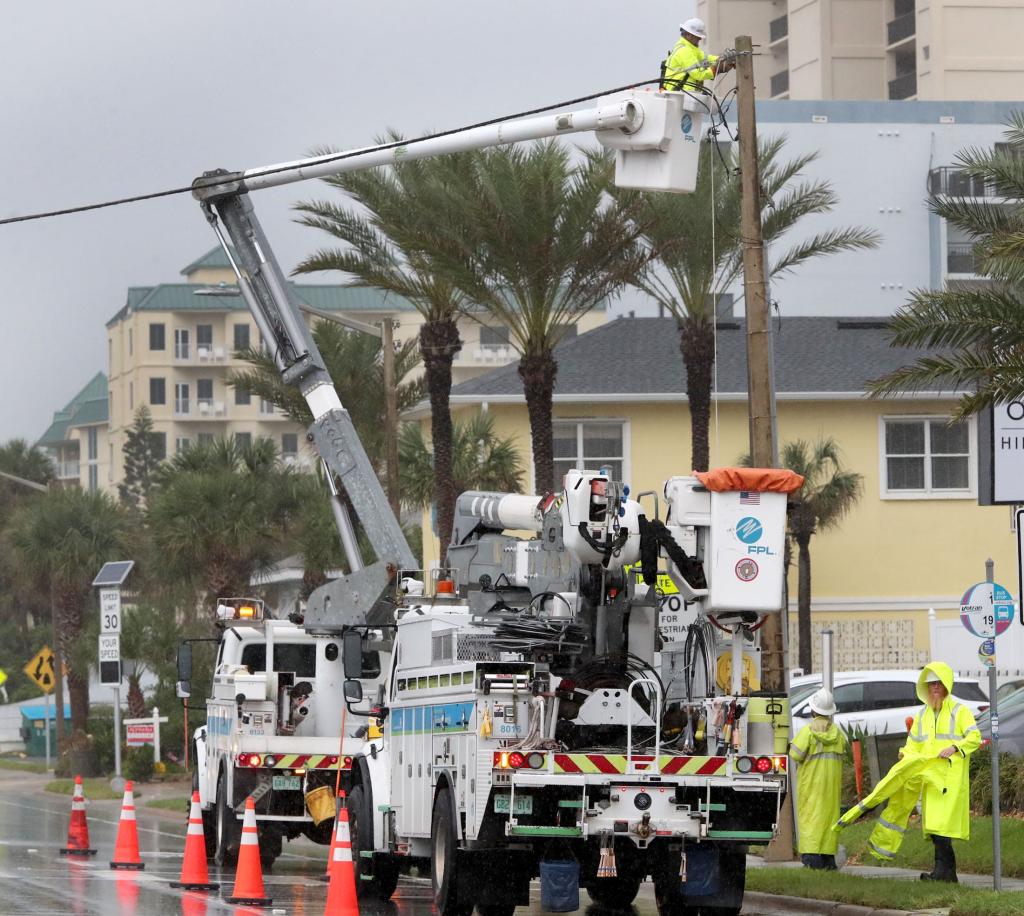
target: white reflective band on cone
194 827
342 853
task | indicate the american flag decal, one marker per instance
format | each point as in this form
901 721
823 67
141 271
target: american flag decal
750 498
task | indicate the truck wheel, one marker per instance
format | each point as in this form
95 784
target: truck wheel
229 833
443 858
384 869
209 820
614 893
495 909
271 842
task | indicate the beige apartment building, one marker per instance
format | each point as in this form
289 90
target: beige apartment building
877 49
171 347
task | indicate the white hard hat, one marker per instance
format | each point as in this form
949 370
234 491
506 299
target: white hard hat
932 678
823 703
695 27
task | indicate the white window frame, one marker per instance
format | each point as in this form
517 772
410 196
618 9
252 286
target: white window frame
182 344
927 493
627 440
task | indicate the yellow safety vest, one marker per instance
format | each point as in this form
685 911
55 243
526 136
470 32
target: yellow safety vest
819 756
684 55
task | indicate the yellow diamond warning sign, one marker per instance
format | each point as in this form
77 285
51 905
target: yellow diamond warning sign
40 670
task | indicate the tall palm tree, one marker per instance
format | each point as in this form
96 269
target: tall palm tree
827 496
61 540
539 244
19 458
482 461
696 247
978 331
388 236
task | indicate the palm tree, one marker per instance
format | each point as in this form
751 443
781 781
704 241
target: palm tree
482 461
19 458
61 540
219 513
696 247
828 494
978 331
388 237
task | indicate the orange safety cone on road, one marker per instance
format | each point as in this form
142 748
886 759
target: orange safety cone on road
78 828
126 850
341 892
326 876
249 875
194 874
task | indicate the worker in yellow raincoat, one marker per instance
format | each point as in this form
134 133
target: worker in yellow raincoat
687 66
818 750
934 768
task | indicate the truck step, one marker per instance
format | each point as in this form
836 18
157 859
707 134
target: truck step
570 803
740 834
546 831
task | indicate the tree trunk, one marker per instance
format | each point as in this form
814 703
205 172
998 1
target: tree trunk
803 601
439 342
70 606
538 372
136 700
697 345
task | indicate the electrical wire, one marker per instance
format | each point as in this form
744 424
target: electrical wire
213 181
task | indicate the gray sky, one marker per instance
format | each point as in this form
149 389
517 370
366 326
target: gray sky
110 98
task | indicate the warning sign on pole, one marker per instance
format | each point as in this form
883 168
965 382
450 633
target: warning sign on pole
41 671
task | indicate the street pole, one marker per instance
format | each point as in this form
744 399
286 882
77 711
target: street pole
117 731
47 720
387 345
997 838
760 387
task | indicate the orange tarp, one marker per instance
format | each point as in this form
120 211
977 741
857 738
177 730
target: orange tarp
762 480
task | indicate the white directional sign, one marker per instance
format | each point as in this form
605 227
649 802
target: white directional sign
110 610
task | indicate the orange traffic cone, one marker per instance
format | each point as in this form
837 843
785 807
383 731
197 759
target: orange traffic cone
78 828
341 892
326 876
126 850
194 875
249 875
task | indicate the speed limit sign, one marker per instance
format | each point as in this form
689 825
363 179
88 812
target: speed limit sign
110 610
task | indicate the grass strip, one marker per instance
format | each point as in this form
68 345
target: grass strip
882 893
95 789
170 804
973 856
26 766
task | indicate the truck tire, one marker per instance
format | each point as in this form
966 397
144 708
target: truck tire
614 893
727 902
209 819
383 869
228 833
444 857
495 909
271 842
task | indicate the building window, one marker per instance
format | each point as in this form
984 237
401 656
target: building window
131 395
243 440
266 407
590 445
206 438
94 478
241 337
926 457
130 345
156 337
204 335
181 343
493 336
92 437
289 445
159 441
181 398
204 393
182 443
157 391
242 396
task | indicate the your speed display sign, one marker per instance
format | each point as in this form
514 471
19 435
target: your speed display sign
986 609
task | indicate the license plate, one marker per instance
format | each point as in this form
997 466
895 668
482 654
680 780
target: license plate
524 804
287 782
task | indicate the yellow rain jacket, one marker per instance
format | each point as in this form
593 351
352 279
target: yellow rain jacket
819 750
683 56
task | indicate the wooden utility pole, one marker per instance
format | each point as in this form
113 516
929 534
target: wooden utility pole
760 381
387 345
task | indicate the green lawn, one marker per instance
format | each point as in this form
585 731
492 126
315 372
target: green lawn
170 804
893 893
973 856
28 766
97 789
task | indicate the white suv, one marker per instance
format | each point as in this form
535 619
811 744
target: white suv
876 701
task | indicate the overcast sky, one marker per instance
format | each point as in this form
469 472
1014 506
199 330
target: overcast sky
108 99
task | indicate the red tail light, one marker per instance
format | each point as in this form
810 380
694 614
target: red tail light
516 760
763 765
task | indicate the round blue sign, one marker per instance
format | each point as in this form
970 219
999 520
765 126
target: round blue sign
687 123
749 529
986 609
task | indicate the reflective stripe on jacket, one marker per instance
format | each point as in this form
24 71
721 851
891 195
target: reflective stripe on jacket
677 66
819 754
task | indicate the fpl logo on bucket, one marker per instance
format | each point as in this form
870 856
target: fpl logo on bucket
749 531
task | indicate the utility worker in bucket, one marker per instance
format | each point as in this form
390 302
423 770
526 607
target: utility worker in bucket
819 750
687 66
944 729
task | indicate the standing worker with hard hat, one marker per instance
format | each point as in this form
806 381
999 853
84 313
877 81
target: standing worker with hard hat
687 66
819 750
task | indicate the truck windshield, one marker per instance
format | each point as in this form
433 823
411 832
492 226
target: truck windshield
299 658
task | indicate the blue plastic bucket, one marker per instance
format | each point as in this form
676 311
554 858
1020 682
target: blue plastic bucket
560 886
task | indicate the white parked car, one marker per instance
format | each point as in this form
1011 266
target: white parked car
876 701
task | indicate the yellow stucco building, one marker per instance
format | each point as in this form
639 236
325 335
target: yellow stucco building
916 539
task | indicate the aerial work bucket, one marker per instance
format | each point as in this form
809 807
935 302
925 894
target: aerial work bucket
320 804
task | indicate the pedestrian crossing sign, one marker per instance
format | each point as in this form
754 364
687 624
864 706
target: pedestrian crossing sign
40 670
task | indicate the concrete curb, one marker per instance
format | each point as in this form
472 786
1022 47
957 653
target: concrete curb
785 904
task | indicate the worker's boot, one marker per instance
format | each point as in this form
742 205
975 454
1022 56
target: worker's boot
945 861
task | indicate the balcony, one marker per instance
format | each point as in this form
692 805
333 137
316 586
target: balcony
181 407
493 354
207 407
953 182
901 28
780 83
778 30
207 353
960 258
903 87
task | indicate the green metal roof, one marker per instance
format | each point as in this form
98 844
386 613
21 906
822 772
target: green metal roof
86 408
213 259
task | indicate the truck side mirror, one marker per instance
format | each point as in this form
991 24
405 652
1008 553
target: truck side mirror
353 691
352 654
185 662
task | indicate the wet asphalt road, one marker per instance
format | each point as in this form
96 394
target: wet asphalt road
36 881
